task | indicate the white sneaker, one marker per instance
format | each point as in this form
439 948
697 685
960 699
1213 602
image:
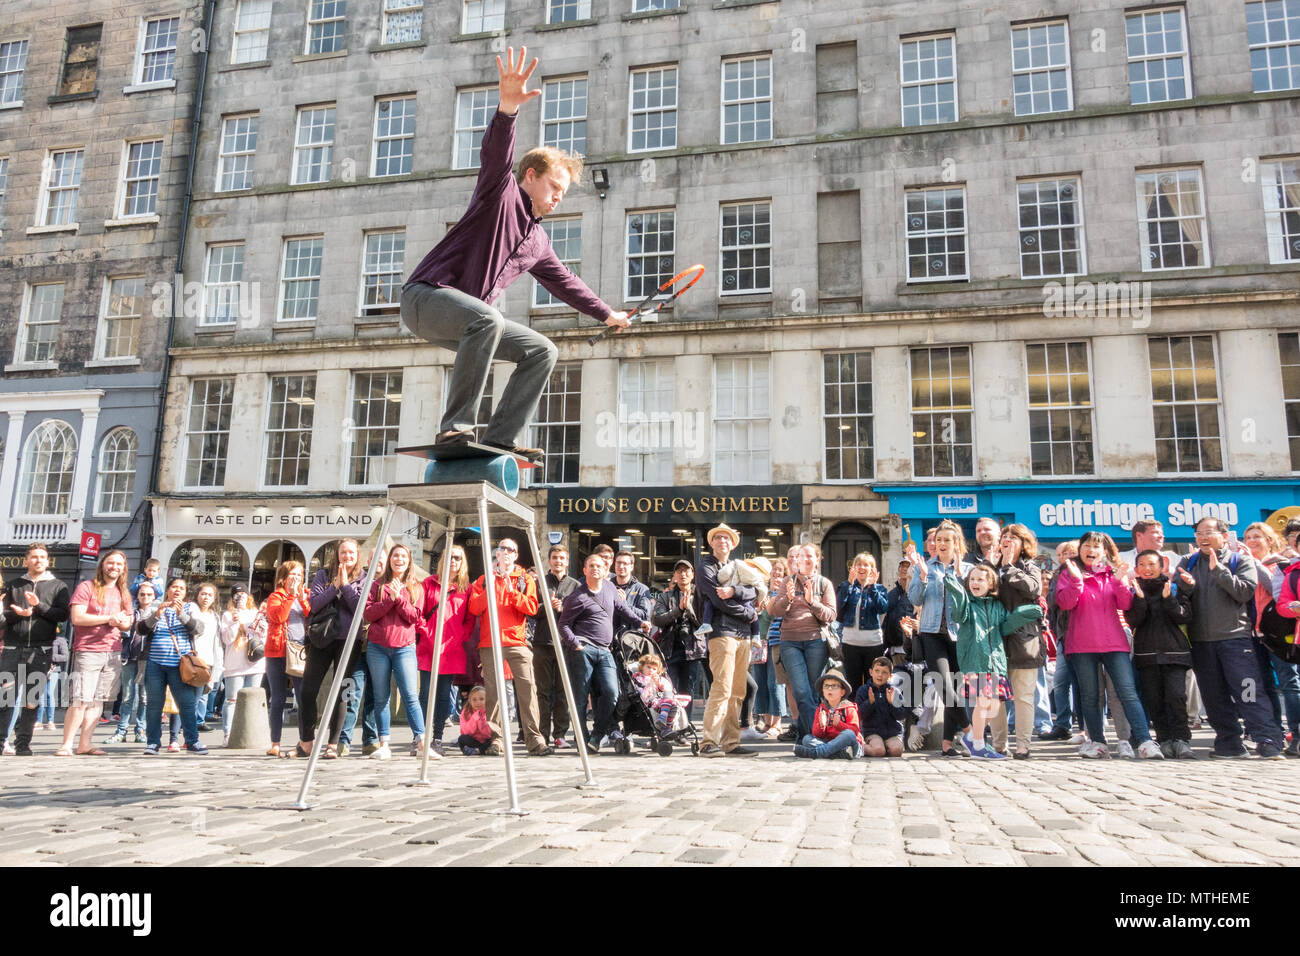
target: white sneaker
1124 749
749 733
9 749
383 753
51 726
415 746
1093 751
915 739
1077 739
1150 750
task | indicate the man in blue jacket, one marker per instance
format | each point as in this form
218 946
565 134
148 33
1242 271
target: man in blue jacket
449 297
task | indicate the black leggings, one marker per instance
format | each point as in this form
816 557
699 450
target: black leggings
941 659
751 691
465 740
857 663
277 691
318 664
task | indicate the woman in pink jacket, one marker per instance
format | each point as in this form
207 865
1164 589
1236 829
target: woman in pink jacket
395 613
1095 595
459 629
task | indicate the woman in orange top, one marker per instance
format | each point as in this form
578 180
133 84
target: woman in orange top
286 609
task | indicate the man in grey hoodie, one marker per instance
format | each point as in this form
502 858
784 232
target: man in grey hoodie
1224 655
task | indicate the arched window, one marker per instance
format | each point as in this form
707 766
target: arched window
49 461
116 472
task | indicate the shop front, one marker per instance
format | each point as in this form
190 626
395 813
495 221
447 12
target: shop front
242 541
1058 512
660 526
64 563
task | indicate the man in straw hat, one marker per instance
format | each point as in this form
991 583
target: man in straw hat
733 610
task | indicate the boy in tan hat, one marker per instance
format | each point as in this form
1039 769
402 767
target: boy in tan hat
836 730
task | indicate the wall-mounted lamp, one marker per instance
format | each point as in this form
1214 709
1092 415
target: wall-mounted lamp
601 179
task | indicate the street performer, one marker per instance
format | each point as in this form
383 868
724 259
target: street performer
448 299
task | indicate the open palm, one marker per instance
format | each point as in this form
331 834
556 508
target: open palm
513 91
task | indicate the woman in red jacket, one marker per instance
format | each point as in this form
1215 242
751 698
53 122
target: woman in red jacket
459 628
287 609
395 613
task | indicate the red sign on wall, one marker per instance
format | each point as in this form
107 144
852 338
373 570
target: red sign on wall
90 544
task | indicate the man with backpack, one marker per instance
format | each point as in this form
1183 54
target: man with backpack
1222 585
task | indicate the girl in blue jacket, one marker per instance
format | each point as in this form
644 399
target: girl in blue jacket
862 601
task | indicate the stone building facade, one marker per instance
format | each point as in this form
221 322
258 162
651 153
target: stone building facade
1030 261
96 102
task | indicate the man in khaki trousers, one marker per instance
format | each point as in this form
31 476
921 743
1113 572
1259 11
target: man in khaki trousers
733 611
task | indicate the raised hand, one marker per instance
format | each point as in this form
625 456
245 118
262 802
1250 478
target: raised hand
1072 569
513 89
1168 589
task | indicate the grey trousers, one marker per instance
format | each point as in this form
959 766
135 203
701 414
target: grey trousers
478 333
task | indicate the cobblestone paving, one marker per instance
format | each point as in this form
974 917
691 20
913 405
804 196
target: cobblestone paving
922 810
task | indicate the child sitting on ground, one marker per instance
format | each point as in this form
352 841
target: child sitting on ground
475 732
1161 653
835 725
746 572
880 713
982 622
657 692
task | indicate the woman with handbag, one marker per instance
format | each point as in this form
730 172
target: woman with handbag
175 625
806 606
287 609
457 627
244 653
335 592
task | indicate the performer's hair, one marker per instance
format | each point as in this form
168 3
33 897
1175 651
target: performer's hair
542 158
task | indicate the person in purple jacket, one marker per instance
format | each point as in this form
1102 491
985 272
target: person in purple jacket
449 298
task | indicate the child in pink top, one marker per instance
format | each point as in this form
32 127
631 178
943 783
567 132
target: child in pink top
475 734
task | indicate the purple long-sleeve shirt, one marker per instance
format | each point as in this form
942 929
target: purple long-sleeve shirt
499 239
591 617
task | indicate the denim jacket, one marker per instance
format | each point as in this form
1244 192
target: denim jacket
870 609
929 593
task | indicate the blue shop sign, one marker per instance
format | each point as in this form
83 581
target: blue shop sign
1057 511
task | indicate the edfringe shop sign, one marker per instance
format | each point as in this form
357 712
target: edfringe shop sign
1077 513
745 504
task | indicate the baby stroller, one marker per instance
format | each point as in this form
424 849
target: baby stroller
631 711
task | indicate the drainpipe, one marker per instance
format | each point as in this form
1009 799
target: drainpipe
195 123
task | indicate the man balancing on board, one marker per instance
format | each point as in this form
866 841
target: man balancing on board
448 299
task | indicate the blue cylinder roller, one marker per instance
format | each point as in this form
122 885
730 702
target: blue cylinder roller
502 471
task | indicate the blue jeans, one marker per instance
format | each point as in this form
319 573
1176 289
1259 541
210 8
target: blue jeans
845 742
1288 683
50 699
771 697
804 662
389 663
233 686
157 678
592 671
1120 668
444 701
359 704
1063 687
132 697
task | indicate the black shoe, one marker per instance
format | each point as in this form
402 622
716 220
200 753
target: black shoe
535 455
1056 733
741 752
544 752
447 439
22 751
1268 751
203 728
593 746
1230 754
954 752
788 736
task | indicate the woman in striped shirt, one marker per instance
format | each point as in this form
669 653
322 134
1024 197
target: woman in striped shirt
178 623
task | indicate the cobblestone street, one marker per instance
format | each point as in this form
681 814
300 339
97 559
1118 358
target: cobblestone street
1052 810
